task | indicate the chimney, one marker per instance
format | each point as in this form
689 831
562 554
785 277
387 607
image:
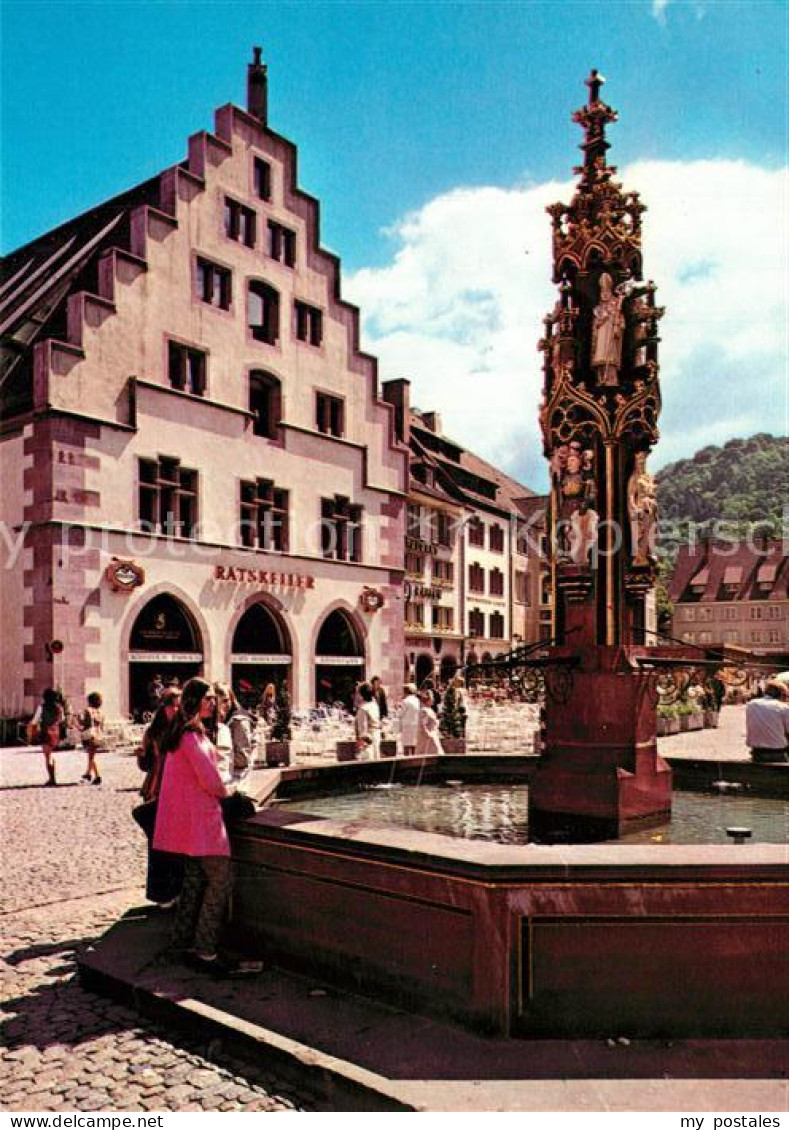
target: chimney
398 394
257 87
432 422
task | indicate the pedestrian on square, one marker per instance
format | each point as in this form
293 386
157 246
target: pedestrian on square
268 705
767 725
165 872
189 822
428 740
368 724
92 726
379 694
409 720
45 727
241 728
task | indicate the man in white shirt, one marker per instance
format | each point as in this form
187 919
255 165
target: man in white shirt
767 725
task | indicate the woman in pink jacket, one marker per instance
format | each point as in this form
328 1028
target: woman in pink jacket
189 823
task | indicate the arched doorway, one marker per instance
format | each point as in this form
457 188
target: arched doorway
165 641
425 666
449 667
339 659
260 654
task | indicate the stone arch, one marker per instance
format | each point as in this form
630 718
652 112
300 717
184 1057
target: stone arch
130 676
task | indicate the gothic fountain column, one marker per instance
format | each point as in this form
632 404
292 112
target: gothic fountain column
600 773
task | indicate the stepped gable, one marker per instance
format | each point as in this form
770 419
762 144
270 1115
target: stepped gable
46 286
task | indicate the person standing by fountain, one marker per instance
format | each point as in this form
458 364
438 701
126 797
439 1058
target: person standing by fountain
767 725
367 722
165 872
428 742
409 720
189 823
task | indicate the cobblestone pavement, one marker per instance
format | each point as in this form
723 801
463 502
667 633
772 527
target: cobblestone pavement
725 743
73 862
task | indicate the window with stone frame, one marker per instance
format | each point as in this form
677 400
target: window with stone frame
476 577
186 368
443 571
496 583
264 516
261 172
281 243
240 222
521 586
341 529
329 414
213 283
265 403
496 539
308 323
476 532
167 497
496 628
443 618
414 614
415 565
476 622
444 528
263 312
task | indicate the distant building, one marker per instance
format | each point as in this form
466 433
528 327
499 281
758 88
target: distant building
199 474
733 593
473 570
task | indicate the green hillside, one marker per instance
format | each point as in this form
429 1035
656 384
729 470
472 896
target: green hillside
745 481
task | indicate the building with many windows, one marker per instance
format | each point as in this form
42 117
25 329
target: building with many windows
733 593
472 551
199 474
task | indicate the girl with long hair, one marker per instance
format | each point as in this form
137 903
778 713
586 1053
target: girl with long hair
189 823
165 873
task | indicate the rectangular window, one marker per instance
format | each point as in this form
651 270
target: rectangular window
444 528
414 615
414 565
262 175
521 587
341 529
329 414
443 618
496 626
476 532
167 494
496 582
476 578
213 284
309 323
240 222
496 539
413 521
264 516
186 368
443 571
281 244
476 622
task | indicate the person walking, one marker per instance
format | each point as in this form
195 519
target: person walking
409 720
767 725
189 822
368 724
92 726
165 871
428 741
45 726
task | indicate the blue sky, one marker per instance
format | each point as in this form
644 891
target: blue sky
399 107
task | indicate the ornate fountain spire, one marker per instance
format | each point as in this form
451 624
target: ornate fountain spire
593 118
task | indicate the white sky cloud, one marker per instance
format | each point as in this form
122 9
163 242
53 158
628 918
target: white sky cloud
459 309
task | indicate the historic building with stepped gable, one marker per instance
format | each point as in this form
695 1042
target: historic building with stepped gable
199 473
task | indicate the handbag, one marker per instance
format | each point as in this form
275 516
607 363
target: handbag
237 806
145 816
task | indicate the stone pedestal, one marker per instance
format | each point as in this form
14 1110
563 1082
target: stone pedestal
600 775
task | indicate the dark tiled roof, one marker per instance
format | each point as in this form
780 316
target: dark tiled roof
725 571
